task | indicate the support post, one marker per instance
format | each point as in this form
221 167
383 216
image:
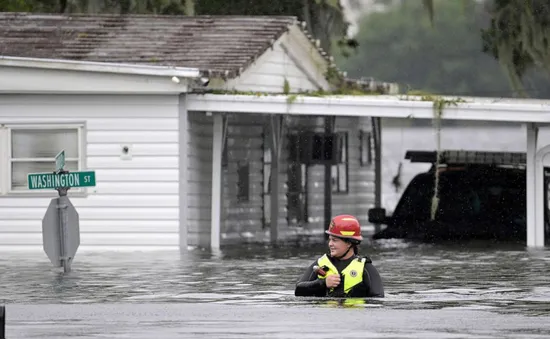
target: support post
540 198
276 141
329 128
183 173
531 189
62 217
62 203
217 148
377 129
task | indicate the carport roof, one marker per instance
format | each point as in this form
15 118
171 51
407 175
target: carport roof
384 106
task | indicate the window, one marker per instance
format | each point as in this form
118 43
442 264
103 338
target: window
297 188
243 182
297 202
340 170
365 139
32 149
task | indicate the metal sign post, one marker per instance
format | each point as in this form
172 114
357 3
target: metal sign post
61 231
60 225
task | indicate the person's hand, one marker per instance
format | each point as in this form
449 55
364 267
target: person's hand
333 280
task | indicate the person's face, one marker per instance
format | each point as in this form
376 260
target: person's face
337 246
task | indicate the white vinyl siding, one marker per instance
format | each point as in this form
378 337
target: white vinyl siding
135 201
32 149
290 60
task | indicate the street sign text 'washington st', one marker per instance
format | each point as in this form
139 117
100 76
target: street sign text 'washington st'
55 181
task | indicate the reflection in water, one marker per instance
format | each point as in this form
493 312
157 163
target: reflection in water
501 279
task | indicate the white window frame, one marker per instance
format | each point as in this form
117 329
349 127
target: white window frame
6 160
4 169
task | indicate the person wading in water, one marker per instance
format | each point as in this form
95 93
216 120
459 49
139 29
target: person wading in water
342 273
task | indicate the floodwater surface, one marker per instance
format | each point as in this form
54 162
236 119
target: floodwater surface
476 290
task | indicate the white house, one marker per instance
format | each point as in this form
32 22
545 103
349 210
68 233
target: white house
111 91
146 102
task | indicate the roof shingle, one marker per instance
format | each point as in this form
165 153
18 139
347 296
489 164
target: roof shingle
222 45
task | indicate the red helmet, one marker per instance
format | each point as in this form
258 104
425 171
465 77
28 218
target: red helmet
345 226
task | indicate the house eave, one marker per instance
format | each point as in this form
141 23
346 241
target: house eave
383 106
48 76
101 67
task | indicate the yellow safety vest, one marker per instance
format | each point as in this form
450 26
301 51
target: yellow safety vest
345 302
353 273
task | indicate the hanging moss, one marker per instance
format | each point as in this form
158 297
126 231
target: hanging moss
439 104
518 37
438 114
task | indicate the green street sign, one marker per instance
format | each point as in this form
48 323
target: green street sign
60 161
38 181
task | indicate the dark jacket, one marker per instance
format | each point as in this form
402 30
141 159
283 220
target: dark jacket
309 285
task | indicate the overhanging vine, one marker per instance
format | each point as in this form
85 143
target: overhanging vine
439 104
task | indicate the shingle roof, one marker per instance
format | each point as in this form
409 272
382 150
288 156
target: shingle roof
222 45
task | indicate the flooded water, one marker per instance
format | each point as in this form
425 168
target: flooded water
463 291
